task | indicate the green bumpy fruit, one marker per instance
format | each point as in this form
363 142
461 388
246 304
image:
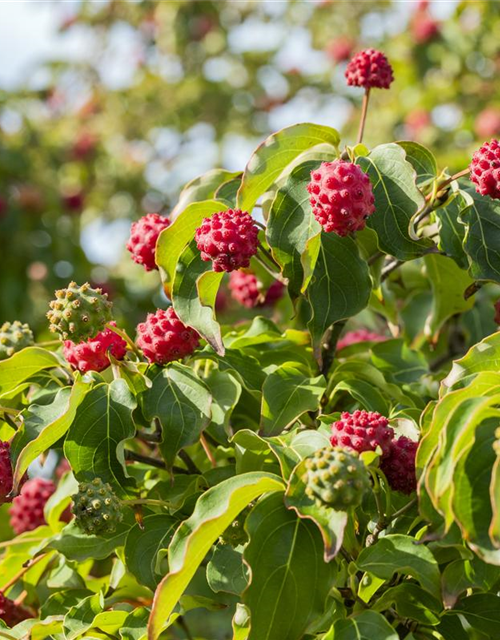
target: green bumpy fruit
336 478
96 507
79 313
14 336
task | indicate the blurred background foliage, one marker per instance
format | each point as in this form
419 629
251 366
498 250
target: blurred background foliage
160 92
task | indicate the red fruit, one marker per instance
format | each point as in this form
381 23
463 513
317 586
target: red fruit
143 236
341 197
497 312
340 49
416 121
362 431
92 355
361 335
5 472
399 465
62 468
247 290
228 238
424 28
485 169
11 613
84 146
369 69
4 207
73 201
163 337
487 123
26 512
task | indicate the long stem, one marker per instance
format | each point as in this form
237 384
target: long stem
264 265
186 458
208 451
20 574
330 347
159 503
364 111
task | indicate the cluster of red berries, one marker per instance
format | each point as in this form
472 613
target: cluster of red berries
12 613
369 69
248 291
162 337
26 512
143 237
93 354
367 430
485 169
360 335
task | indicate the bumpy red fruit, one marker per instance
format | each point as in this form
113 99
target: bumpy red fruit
247 290
485 169
369 69
92 355
229 239
399 465
340 49
361 335
341 197
487 124
143 236
424 28
163 337
362 431
26 512
11 613
497 312
5 472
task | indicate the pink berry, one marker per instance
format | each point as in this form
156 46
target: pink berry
340 49
12 613
341 196
369 69
163 337
362 431
5 472
26 512
487 124
229 239
361 335
485 169
399 465
92 355
248 291
424 28
143 236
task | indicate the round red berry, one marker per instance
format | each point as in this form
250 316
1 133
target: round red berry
362 431
487 124
26 512
163 337
424 28
340 49
5 472
369 69
248 291
143 236
399 465
12 613
361 335
92 355
341 196
229 239
485 169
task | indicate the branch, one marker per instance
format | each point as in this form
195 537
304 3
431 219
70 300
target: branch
330 346
364 111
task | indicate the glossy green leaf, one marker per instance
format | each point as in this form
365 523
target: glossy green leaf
368 625
286 394
398 362
201 188
340 285
482 357
397 553
462 574
143 544
286 599
421 159
273 156
194 291
94 443
226 391
176 236
226 571
135 625
80 617
482 612
397 200
215 510
24 365
181 402
452 232
411 601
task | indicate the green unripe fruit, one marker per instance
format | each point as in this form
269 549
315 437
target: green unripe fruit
336 478
14 336
96 507
79 313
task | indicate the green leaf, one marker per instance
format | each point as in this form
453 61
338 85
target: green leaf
287 394
181 402
452 232
292 225
398 362
421 159
368 625
275 154
482 357
289 580
176 236
226 571
482 238
24 365
135 625
43 426
397 200
94 444
80 617
201 188
143 544
194 291
448 282
330 522
460 575
368 396
226 391
340 285
401 554
215 510
410 601
482 612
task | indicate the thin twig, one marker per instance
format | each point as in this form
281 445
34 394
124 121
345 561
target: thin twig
208 451
186 458
330 346
364 111
25 569
138 457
